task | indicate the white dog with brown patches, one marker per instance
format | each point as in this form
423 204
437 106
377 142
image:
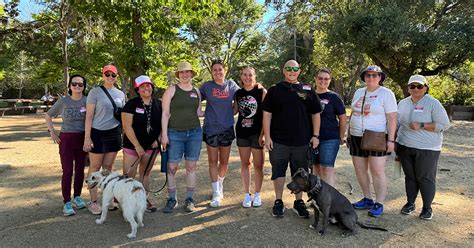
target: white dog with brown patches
129 193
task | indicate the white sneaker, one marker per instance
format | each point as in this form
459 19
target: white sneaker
221 192
216 200
247 201
257 200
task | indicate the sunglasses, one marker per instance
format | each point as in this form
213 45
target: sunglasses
371 75
294 68
110 74
418 86
324 78
77 84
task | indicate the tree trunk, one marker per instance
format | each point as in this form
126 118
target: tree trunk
64 23
138 45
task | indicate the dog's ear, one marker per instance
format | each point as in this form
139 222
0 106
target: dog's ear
105 172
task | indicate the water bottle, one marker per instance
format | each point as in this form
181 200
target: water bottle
164 161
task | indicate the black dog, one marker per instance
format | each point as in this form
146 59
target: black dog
328 200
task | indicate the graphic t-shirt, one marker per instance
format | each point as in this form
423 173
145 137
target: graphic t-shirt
250 117
377 104
219 115
332 106
140 117
72 112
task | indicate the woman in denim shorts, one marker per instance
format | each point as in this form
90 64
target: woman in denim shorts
181 133
333 126
248 103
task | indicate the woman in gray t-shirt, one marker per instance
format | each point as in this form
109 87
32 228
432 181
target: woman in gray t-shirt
103 134
72 109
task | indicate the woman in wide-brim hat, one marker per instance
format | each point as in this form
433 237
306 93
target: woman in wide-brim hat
182 133
374 108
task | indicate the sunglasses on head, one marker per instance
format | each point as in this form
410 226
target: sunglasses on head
107 74
77 84
294 68
371 75
418 86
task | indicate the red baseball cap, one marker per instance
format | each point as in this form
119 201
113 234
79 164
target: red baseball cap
111 68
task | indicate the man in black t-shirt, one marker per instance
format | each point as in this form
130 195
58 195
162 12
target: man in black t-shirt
291 121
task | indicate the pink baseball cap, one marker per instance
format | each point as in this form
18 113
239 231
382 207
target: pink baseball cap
109 68
142 80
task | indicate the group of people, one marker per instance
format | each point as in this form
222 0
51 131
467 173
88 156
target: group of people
300 125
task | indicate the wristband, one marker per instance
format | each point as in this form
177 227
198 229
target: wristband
316 136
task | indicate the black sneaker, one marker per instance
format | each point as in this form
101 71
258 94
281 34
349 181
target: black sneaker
408 208
170 205
300 209
278 209
426 214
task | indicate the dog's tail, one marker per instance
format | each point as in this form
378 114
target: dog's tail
371 227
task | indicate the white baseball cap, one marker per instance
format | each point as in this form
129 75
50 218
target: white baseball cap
417 79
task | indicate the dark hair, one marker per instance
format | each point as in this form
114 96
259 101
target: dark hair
217 62
84 81
325 70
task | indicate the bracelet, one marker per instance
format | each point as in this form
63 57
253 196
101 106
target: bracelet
316 136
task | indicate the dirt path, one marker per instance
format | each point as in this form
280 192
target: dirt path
31 203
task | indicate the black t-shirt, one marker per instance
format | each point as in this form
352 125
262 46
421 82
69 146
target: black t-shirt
291 106
135 106
250 117
332 106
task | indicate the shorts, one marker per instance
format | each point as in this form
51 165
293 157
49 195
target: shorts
106 140
187 143
134 153
328 150
224 138
356 150
251 141
281 155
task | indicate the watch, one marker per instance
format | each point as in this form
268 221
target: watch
316 136
422 125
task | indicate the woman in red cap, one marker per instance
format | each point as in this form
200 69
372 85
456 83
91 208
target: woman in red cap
103 135
141 120
374 108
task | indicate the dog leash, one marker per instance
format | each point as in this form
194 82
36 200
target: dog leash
157 192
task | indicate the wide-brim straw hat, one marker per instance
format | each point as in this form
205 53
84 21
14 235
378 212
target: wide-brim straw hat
184 66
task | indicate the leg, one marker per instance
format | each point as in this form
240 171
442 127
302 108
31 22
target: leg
408 162
145 177
377 170
212 154
426 166
79 165
108 160
244 153
316 216
172 169
191 177
258 161
106 198
96 163
67 156
278 185
133 224
327 174
361 168
130 160
224 153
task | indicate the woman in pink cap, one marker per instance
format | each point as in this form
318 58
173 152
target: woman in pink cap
103 134
141 120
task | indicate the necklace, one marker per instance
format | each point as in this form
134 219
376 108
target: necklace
147 109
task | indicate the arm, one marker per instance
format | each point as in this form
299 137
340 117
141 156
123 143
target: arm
261 138
267 119
90 109
342 126
52 132
127 121
165 116
316 120
440 120
200 113
392 128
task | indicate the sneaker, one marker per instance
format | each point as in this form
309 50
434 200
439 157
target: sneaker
150 208
189 205
408 208
68 210
300 209
94 208
364 203
426 214
278 209
78 203
247 202
377 210
257 201
216 200
170 205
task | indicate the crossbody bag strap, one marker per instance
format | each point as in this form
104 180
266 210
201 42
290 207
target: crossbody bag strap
110 97
362 110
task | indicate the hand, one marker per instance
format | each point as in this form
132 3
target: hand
140 151
348 142
415 125
155 144
164 142
88 145
342 141
269 143
390 146
314 142
261 140
55 137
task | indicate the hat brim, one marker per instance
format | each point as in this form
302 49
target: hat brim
382 75
176 73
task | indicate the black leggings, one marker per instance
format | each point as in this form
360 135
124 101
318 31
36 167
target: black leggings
420 168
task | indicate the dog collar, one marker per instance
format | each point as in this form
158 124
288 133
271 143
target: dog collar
317 187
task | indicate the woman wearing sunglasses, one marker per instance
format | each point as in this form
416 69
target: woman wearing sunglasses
374 108
103 135
72 109
422 120
218 128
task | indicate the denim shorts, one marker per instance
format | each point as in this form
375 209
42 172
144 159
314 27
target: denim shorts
281 155
187 143
327 152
